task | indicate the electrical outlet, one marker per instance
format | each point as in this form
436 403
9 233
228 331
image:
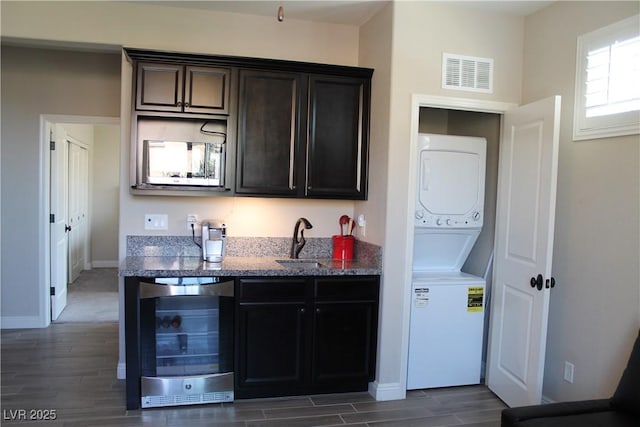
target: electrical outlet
362 223
192 219
156 222
568 372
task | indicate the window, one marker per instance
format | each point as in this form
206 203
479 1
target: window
607 101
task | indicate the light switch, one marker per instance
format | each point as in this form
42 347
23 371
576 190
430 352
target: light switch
156 222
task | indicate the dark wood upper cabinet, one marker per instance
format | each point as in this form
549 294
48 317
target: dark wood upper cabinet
179 88
292 129
159 87
302 135
269 130
338 137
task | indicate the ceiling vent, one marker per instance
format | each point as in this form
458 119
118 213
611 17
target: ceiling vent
467 73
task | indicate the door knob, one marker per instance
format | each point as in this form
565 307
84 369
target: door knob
67 228
550 285
536 282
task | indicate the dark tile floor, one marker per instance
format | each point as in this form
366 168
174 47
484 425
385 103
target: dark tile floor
68 371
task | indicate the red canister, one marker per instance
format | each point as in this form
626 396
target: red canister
343 247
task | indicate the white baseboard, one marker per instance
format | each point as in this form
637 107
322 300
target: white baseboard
390 391
22 322
546 400
121 371
104 264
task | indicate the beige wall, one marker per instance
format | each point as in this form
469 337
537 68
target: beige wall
104 190
35 82
167 28
375 52
594 311
420 32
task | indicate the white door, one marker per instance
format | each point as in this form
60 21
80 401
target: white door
78 206
58 225
523 250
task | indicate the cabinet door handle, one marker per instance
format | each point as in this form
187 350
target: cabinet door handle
186 104
153 290
179 104
302 310
292 148
291 164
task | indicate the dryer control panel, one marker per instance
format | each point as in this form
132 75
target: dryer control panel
425 219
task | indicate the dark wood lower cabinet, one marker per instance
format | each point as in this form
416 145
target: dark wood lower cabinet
343 337
271 339
304 336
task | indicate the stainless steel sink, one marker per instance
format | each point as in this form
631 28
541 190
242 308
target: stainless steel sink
299 263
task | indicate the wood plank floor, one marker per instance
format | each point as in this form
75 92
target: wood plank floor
71 369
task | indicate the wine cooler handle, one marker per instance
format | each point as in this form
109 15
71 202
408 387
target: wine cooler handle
153 290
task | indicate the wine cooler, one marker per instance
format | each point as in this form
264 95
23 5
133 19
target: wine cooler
186 341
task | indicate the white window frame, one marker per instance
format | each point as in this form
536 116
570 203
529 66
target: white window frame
626 123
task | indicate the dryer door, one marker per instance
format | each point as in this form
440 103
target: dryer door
449 182
451 176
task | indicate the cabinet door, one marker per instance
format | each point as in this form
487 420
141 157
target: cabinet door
159 87
270 348
270 336
338 137
344 345
269 123
206 90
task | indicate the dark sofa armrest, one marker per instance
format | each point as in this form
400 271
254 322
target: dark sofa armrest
511 416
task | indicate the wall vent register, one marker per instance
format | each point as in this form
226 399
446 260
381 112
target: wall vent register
467 73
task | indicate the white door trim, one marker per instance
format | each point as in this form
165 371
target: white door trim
44 250
444 102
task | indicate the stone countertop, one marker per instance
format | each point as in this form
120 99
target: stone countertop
182 266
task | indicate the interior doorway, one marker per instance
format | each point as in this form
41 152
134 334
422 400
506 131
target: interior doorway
478 124
532 130
87 183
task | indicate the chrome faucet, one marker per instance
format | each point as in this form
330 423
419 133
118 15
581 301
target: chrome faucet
298 244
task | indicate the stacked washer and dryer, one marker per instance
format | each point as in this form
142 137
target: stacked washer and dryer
447 305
